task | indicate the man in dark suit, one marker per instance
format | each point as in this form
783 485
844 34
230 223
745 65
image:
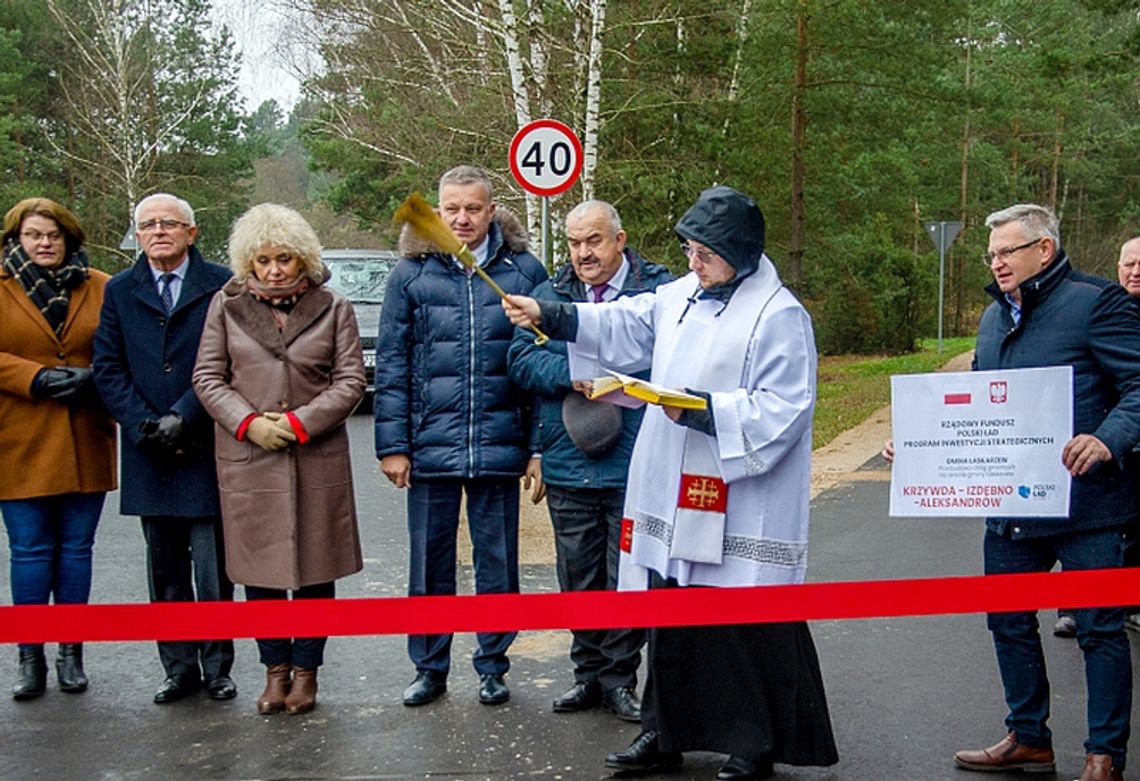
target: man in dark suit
145 348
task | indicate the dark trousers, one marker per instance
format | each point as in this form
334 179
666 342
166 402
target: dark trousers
433 522
587 534
1100 634
307 653
185 563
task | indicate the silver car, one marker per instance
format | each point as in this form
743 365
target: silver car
362 275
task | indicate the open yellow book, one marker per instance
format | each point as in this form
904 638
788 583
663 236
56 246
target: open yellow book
626 391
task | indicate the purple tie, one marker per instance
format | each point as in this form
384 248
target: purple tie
598 291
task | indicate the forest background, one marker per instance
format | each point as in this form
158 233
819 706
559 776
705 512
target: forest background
851 122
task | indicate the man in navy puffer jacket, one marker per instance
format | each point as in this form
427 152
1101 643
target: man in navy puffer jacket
449 421
584 468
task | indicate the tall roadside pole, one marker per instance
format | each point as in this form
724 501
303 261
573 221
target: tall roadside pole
942 233
545 159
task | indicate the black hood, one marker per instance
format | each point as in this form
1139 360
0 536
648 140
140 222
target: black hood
728 222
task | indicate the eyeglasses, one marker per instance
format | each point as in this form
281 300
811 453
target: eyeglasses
989 257
36 237
146 226
703 255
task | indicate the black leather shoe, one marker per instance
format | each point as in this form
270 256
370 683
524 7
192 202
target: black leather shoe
427 687
31 680
624 702
740 769
493 690
69 668
580 696
221 687
175 688
644 756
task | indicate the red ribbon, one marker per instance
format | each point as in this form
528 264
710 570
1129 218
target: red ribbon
573 610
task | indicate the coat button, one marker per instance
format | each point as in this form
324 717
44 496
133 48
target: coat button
1017 530
166 367
162 322
61 355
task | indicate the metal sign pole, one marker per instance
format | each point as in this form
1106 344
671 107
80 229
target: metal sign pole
941 278
546 233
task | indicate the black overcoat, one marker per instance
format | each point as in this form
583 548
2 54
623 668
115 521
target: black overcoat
143 365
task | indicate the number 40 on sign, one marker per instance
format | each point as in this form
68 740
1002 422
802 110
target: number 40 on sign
546 157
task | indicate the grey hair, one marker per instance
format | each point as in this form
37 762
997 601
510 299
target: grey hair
183 206
1133 243
1038 222
467 174
606 208
272 223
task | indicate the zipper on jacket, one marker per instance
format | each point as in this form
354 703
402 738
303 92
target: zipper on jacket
470 376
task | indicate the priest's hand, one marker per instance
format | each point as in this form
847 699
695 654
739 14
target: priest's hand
398 469
522 310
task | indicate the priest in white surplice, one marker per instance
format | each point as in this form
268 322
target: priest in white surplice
716 497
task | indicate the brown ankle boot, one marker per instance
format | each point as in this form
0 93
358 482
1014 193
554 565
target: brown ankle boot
303 695
277 684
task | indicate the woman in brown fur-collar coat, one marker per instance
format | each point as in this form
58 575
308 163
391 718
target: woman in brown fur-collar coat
280 370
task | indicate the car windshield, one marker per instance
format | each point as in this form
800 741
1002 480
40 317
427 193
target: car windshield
361 280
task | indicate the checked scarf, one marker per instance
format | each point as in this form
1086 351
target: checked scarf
49 288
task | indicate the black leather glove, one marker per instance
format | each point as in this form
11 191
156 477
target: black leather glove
62 383
170 430
163 436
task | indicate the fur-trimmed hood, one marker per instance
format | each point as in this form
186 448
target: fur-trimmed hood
506 228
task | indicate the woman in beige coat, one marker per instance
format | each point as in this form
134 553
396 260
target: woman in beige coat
57 442
280 369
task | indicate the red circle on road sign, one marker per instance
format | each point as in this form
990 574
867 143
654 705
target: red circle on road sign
545 157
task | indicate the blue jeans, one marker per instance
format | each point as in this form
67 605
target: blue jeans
51 539
1100 634
433 521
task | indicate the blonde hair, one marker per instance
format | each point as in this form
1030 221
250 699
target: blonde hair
273 224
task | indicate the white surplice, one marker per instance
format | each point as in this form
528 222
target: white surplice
757 357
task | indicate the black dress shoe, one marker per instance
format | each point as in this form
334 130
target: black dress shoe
493 690
31 680
580 696
221 687
624 702
175 688
427 687
740 769
644 756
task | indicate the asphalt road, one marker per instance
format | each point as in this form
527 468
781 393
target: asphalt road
904 693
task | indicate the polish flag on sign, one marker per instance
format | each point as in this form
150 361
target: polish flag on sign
956 398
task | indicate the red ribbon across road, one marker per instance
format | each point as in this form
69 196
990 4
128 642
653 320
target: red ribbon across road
573 610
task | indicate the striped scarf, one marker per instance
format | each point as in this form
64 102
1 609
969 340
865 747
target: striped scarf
49 288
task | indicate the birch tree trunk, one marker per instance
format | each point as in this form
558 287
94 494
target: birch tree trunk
593 97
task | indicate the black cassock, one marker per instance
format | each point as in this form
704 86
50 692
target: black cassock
754 691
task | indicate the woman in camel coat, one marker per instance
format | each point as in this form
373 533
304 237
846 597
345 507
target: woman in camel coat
57 442
280 369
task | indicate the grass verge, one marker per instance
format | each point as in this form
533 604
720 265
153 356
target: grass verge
851 387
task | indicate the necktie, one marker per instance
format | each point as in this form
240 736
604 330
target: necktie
598 292
165 293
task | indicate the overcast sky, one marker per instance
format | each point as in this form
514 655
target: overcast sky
259 28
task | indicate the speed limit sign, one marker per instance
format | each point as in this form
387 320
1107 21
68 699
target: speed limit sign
546 157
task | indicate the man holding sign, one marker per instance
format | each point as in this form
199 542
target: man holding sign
1048 314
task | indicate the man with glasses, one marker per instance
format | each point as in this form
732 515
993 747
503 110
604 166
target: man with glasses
585 449
145 349
1048 314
